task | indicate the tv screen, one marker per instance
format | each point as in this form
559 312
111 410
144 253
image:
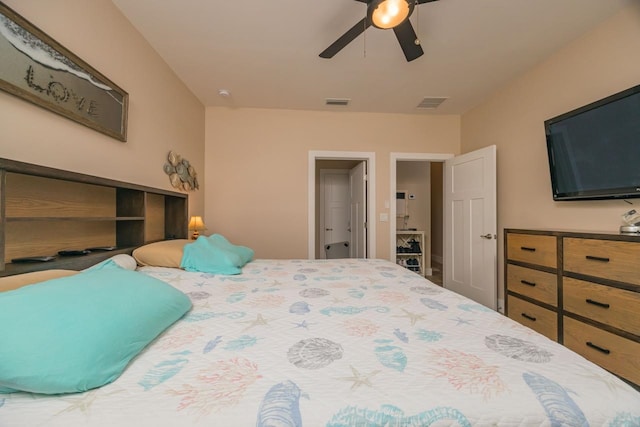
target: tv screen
594 151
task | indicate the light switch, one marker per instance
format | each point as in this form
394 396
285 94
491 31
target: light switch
384 217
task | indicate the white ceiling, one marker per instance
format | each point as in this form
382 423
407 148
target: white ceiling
265 53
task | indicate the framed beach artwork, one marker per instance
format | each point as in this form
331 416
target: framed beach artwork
35 67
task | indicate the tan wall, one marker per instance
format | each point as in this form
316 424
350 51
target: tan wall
163 114
256 163
415 178
602 62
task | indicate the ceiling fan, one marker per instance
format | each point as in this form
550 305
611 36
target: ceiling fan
384 14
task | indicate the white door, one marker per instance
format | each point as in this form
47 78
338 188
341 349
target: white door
470 226
334 187
358 211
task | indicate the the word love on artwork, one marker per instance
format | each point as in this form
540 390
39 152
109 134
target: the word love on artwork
35 67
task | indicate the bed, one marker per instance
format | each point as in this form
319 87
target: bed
347 342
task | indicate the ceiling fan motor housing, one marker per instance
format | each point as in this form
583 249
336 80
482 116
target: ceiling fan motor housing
395 12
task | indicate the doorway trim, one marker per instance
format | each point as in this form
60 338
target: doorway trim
394 158
370 158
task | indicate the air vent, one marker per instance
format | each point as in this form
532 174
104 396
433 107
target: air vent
431 103
341 102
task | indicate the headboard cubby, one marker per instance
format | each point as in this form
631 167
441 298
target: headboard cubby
45 210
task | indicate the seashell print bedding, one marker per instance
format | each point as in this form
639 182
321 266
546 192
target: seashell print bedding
339 343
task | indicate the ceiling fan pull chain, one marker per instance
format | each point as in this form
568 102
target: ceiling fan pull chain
364 35
418 21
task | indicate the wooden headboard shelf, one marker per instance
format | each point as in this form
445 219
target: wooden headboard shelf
45 210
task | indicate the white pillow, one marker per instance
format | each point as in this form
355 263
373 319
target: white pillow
124 261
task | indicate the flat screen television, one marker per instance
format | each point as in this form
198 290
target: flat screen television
594 151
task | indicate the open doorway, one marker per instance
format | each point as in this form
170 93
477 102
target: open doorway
341 199
340 209
416 213
469 221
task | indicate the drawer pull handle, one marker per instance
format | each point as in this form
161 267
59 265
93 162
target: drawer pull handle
526 248
526 316
596 347
524 282
597 258
598 303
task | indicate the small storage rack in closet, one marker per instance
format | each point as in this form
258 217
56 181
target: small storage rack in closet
410 250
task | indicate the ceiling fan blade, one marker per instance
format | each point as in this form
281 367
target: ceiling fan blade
407 38
346 38
425 1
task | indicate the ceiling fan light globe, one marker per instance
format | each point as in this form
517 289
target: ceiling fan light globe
386 14
393 9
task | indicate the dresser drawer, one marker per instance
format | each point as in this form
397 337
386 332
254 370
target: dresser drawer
615 307
539 285
612 352
531 248
537 318
603 258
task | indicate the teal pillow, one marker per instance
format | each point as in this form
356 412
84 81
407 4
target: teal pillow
79 332
215 255
205 256
245 253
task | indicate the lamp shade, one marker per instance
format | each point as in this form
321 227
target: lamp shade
387 14
196 224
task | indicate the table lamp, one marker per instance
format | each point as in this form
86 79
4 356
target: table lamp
196 225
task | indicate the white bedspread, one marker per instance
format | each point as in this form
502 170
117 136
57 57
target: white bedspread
339 343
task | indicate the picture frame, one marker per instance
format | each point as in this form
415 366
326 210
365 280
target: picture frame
38 69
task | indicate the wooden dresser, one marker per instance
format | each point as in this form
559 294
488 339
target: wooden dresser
580 289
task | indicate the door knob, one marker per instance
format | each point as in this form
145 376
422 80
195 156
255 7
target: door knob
488 236
328 229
